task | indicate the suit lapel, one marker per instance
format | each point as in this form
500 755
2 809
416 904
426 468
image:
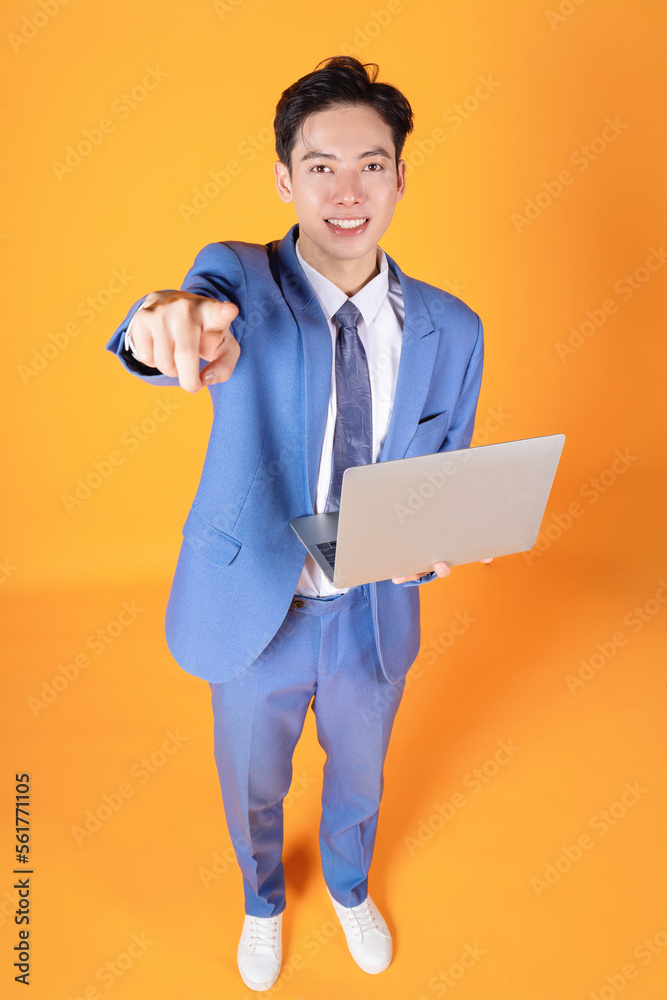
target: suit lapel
415 367
418 351
318 358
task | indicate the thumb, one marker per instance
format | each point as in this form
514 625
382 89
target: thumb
217 316
222 359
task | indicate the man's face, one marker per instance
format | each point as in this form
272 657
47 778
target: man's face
343 171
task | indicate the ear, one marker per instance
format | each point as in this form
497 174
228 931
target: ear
283 182
400 179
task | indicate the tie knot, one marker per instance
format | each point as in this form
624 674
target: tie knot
348 315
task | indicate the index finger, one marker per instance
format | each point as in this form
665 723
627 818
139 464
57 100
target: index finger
202 338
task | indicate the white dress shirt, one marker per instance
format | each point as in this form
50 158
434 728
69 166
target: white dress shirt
380 327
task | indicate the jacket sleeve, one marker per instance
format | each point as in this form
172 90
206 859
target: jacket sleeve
216 273
459 434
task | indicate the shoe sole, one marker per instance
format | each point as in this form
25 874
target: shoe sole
260 987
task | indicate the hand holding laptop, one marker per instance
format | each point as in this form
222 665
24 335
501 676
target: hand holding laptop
438 510
442 569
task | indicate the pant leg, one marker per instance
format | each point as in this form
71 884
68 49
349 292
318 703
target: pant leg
258 718
324 646
355 707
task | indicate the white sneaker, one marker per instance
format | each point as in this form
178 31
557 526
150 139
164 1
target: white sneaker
260 951
367 934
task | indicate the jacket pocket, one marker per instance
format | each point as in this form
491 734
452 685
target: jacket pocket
212 543
429 435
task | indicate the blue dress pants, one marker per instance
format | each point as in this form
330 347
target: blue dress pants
323 656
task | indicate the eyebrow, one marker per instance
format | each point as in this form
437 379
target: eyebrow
316 155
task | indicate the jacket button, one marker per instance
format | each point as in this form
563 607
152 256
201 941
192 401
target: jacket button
297 604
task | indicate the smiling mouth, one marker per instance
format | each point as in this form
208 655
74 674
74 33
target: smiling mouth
347 223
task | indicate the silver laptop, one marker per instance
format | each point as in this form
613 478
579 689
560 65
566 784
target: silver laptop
399 518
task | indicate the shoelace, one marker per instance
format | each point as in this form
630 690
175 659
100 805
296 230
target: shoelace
361 919
263 932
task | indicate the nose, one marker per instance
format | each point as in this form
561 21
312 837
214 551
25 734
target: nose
349 189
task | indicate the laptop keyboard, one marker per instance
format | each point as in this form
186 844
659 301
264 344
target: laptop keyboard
328 550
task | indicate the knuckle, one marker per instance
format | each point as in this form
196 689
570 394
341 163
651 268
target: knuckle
184 348
182 307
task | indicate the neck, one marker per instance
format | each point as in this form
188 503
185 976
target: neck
348 275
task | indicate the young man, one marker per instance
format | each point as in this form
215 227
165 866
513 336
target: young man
319 353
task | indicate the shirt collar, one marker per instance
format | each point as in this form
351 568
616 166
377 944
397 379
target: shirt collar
367 300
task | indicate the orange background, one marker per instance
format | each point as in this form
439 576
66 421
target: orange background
460 867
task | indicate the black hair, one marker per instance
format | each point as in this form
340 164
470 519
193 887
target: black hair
339 81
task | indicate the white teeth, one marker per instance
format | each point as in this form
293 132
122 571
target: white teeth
347 223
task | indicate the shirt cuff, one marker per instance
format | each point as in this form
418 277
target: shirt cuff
129 345
422 579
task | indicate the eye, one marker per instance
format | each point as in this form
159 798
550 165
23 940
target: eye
378 165
318 167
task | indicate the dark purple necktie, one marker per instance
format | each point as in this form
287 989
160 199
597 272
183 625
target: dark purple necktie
353 433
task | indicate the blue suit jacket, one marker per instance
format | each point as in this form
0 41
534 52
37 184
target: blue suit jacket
240 560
